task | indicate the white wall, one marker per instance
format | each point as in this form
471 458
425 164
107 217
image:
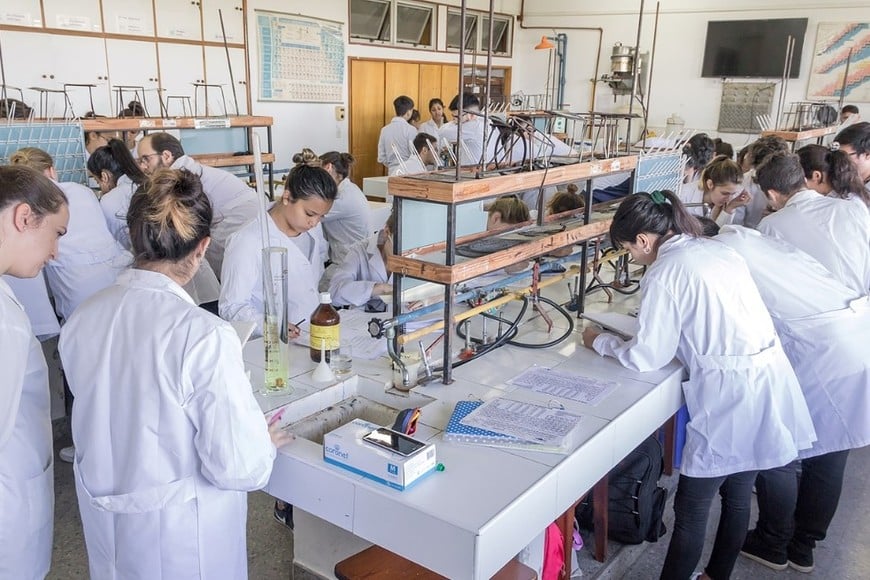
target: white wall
298 125
677 86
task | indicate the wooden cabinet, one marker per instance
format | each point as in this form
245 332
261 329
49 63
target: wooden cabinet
131 17
400 78
21 13
178 81
234 16
217 72
83 15
133 63
179 19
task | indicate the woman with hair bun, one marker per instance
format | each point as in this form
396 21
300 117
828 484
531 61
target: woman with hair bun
832 173
292 223
33 216
161 480
347 223
700 305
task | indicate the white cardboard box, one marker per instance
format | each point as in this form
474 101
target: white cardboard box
345 448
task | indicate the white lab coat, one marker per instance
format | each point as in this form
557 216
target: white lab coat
692 196
168 434
430 128
363 267
88 258
830 230
699 304
347 222
751 214
26 466
400 132
233 204
32 294
412 166
824 327
115 204
203 287
242 287
474 134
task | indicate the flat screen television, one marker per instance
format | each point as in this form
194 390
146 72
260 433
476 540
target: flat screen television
752 48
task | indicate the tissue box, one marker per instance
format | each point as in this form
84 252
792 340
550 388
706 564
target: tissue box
345 448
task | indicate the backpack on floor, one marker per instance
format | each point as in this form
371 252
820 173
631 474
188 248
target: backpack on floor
636 502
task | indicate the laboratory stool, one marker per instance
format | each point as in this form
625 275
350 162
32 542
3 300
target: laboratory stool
376 563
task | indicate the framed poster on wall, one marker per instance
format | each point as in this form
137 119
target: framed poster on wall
834 42
301 58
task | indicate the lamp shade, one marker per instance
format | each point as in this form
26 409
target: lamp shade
545 44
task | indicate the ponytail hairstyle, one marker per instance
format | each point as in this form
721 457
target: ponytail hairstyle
511 209
837 168
659 212
699 151
341 162
722 170
33 158
169 218
565 200
22 184
117 160
309 179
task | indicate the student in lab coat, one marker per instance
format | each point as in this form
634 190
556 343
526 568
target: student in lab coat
348 221
699 152
89 258
292 223
161 479
233 202
699 303
420 162
33 216
363 275
437 118
833 231
756 153
398 133
119 177
475 133
854 141
722 184
824 327
832 173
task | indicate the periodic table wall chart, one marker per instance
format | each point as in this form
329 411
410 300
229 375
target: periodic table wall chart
301 58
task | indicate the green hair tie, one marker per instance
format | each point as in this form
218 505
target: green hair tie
658 198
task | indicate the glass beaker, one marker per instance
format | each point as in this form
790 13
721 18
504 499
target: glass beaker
276 342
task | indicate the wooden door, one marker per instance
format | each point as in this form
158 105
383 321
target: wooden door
401 78
449 83
430 88
366 117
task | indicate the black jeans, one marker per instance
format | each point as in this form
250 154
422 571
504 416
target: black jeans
799 512
692 509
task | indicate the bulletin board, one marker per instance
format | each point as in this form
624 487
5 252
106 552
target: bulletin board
301 58
833 42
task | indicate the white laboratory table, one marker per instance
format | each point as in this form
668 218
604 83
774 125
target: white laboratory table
469 520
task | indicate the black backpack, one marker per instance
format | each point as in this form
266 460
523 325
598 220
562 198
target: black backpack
636 502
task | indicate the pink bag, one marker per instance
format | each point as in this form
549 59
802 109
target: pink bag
554 553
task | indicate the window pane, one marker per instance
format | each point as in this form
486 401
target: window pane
454 31
413 24
501 37
370 19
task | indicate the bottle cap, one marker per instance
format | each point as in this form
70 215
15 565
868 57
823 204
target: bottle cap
325 298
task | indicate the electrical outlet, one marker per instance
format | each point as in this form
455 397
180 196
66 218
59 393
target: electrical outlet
339 113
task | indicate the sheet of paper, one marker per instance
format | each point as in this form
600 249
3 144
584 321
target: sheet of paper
567 386
526 421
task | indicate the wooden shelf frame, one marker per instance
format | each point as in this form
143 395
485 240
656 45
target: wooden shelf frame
437 189
794 137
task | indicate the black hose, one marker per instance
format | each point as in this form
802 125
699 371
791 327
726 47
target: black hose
510 335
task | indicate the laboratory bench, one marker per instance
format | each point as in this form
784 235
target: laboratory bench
467 521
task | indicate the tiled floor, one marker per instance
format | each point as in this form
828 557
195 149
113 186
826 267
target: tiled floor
844 555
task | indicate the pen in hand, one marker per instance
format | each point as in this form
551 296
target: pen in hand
277 416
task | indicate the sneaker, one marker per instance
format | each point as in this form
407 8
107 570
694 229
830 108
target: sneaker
754 549
68 454
799 560
284 514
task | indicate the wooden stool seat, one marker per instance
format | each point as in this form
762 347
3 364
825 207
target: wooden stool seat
376 563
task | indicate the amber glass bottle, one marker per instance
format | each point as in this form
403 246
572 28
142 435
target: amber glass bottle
325 328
